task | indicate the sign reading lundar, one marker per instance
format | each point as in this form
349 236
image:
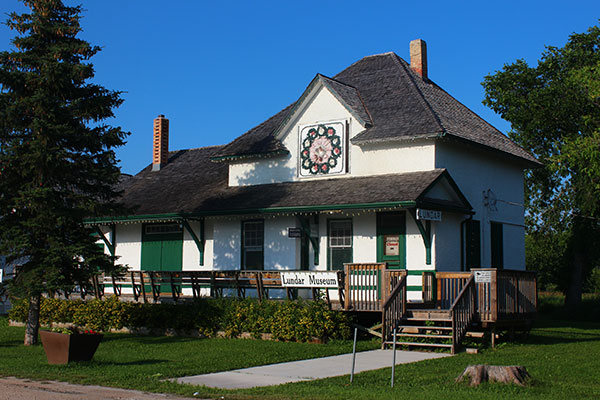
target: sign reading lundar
309 279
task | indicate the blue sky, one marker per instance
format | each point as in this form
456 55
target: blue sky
216 69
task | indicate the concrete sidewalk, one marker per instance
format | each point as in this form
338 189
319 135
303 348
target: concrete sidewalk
306 370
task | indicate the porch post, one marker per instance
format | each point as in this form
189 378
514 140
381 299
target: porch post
425 234
199 241
111 246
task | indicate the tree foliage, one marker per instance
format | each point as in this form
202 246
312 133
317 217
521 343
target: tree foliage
57 160
554 110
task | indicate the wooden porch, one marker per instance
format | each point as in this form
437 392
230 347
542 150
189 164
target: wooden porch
454 303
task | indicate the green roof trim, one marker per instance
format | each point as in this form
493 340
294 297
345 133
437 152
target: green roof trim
267 210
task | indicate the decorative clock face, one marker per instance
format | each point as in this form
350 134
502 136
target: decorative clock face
322 149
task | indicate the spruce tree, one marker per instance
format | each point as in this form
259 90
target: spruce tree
57 160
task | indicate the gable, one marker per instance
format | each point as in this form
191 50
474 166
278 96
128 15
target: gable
391 103
444 193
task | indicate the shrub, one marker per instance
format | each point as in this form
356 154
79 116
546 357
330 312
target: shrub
288 320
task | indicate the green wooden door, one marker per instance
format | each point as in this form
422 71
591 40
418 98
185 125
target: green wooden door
391 239
162 247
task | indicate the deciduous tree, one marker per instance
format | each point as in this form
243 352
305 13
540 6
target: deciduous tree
554 110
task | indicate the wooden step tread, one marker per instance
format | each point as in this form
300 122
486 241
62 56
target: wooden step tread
428 319
426 328
421 335
448 346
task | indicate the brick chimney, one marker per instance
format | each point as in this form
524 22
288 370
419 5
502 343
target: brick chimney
418 57
160 148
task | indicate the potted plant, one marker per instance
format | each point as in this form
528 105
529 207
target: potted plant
63 345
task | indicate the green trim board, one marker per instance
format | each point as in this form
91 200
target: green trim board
169 217
418 272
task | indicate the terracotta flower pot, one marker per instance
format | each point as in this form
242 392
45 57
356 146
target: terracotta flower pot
61 348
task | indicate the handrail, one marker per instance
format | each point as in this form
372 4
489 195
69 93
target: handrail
394 308
462 312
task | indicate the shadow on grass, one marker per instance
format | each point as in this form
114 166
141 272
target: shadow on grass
121 364
11 343
143 339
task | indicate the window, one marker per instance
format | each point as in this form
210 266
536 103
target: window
472 244
253 234
496 233
339 249
158 229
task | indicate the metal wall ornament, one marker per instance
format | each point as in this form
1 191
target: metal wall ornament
321 149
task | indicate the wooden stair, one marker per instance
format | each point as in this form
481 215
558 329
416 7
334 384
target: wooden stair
424 328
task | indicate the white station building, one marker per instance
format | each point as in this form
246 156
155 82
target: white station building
375 164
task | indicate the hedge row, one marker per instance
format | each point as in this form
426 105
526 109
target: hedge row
288 320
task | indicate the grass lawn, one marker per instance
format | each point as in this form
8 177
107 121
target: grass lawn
562 357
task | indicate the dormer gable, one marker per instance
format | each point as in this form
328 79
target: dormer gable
348 96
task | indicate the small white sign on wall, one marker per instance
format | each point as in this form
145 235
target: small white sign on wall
429 215
483 276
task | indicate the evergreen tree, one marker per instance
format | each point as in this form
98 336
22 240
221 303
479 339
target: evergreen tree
57 160
554 110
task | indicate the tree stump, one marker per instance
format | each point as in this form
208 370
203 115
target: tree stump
495 373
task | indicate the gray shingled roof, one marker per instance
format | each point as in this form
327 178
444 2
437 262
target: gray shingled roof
399 105
350 97
191 183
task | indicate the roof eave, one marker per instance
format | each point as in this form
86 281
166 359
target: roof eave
527 163
250 156
265 210
412 138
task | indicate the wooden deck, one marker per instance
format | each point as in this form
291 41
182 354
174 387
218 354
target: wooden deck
486 298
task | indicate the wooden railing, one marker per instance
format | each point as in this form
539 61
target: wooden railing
393 309
518 291
449 285
462 312
368 285
429 289
363 286
145 285
502 295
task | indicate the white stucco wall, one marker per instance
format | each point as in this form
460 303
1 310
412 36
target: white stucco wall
280 251
321 107
226 244
399 157
476 171
191 254
129 245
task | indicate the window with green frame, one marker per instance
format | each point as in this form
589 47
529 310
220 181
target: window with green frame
253 238
339 243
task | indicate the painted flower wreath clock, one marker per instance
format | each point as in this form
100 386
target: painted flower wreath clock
322 149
